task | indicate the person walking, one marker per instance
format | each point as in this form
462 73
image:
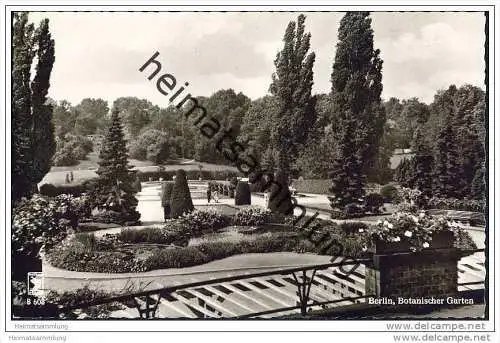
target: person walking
209 193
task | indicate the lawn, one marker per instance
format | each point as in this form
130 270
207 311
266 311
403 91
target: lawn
85 169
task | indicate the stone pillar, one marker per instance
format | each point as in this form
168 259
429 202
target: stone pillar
396 272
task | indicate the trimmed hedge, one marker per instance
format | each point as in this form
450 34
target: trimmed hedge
51 190
251 217
180 201
243 195
315 186
456 204
190 175
113 217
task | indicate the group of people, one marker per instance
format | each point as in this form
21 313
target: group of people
69 177
211 194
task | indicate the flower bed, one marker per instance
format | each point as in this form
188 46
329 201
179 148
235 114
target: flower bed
457 204
120 259
417 232
144 250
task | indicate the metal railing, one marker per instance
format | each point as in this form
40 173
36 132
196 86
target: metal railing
327 279
275 292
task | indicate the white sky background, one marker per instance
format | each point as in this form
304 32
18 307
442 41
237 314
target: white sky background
98 54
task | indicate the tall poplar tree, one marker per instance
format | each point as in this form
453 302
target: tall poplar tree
33 143
22 58
292 85
44 144
356 104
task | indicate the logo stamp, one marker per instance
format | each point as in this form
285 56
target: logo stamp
35 284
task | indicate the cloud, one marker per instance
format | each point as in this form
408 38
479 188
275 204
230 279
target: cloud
99 54
417 64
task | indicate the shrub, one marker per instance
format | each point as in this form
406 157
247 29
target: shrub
72 149
190 174
352 209
389 192
353 246
218 250
464 242
243 195
252 216
146 235
136 185
417 230
373 202
180 200
174 258
88 240
200 222
457 204
174 234
73 255
75 190
166 193
82 207
50 190
81 296
353 227
316 186
114 217
274 242
64 157
92 226
42 221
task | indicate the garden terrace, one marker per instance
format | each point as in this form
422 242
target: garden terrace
201 237
262 294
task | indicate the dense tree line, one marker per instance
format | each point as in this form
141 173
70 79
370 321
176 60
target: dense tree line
448 143
348 134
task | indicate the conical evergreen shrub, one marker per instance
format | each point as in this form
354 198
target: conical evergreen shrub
243 195
280 198
180 200
166 193
114 190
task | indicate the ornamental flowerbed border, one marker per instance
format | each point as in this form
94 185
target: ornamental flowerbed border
150 250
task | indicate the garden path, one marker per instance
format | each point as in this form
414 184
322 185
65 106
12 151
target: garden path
152 213
65 280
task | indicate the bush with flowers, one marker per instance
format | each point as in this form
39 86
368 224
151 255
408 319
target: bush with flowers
457 204
199 222
252 216
416 230
42 221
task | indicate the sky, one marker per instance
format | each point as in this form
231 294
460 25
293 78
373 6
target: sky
98 54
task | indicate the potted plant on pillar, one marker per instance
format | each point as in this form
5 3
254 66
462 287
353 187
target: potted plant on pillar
407 232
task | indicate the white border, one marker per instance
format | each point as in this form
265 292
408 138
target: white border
271 325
